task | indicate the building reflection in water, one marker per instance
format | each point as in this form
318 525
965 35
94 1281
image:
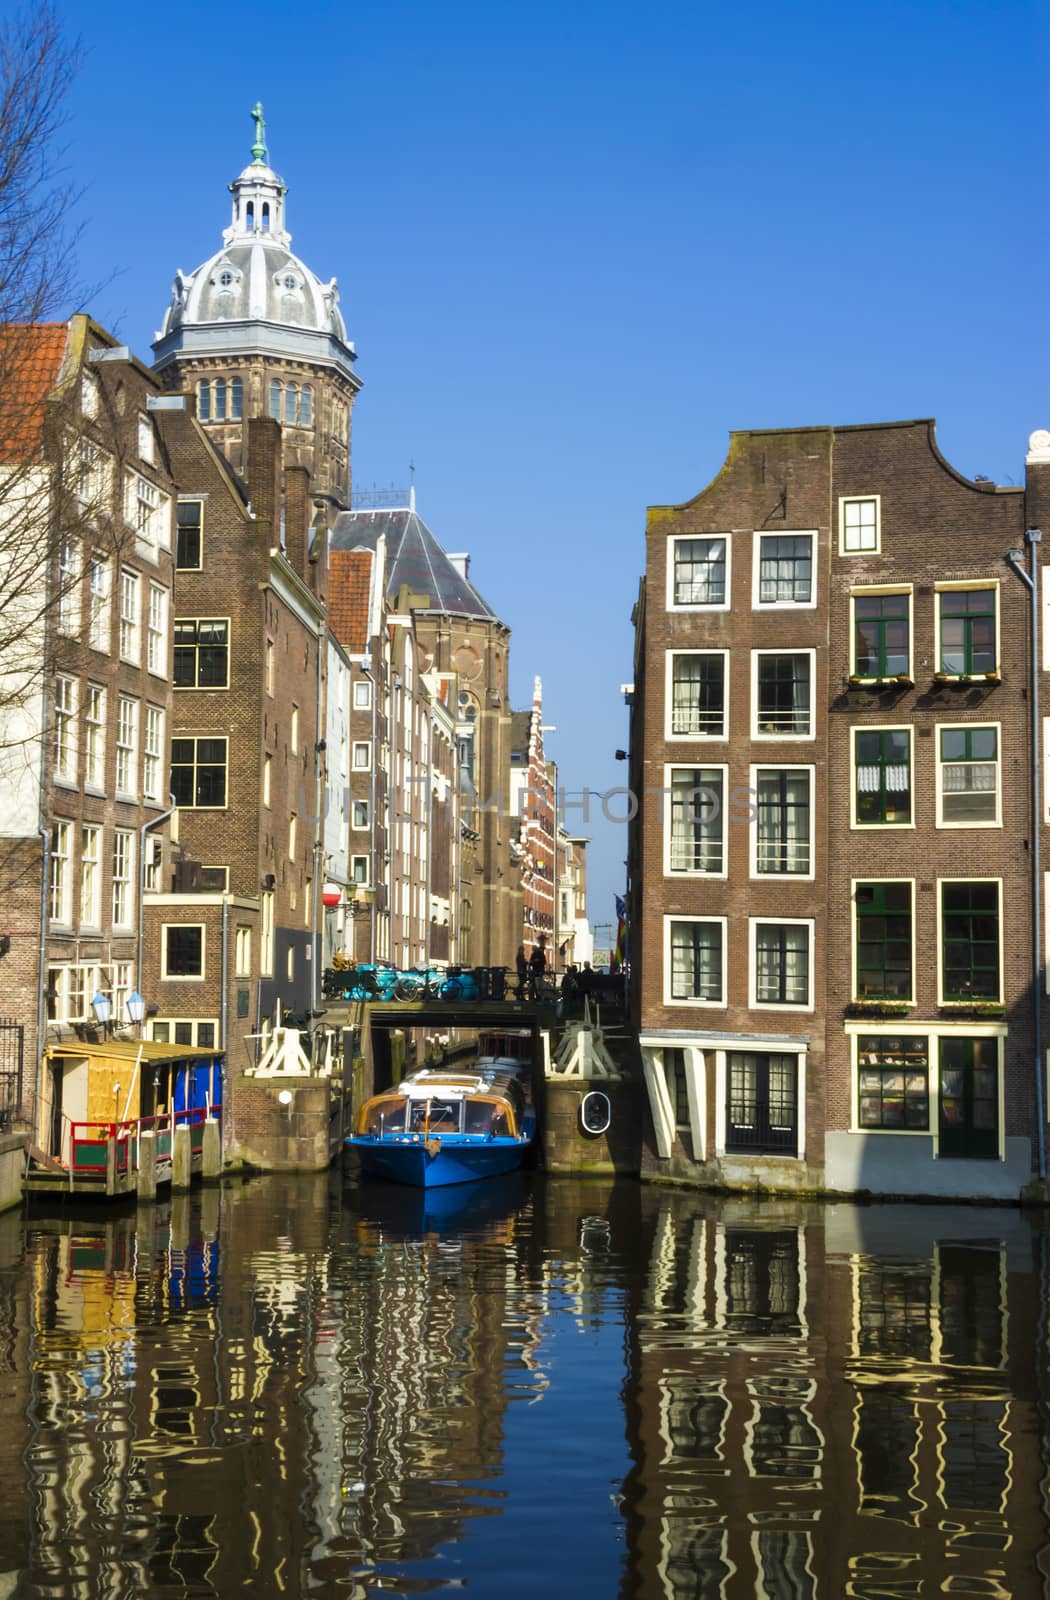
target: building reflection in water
836 1401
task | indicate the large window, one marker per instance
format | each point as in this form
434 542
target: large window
123 887
292 405
882 635
968 641
95 736
968 772
969 1098
67 616
157 630
783 694
970 940
183 950
148 510
783 821
698 693
127 744
883 934
90 876
882 776
198 772
785 569
782 967
98 603
153 754
697 819
220 400
130 604
859 525
893 1082
61 885
697 961
699 571
202 653
189 545
65 746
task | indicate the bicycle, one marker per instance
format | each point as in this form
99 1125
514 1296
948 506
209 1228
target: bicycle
429 984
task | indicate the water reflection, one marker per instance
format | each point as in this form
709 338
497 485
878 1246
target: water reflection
556 1387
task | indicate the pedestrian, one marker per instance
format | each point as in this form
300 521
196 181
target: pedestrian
521 962
537 967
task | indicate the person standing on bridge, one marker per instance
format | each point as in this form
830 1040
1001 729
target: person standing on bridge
521 963
537 967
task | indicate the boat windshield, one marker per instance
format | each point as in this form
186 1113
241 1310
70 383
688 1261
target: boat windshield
487 1116
440 1116
384 1116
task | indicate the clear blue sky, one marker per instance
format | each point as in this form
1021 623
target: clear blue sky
577 244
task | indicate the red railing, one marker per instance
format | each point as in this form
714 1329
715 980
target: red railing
89 1141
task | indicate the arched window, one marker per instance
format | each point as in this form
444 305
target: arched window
266 217
250 214
220 399
306 406
204 401
275 400
236 399
291 403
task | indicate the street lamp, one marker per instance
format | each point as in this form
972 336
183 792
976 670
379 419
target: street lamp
1029 576
102 1006
135 1006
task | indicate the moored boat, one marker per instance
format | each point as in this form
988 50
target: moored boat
444 1126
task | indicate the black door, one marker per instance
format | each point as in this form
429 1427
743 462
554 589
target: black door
969 1096
762 1103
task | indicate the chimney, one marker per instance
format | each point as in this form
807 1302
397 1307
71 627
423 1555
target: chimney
296 517
264 476
461 563
317 551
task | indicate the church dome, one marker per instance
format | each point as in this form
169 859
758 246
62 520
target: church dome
255 293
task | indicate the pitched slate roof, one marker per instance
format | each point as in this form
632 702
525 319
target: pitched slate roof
350 586
30 359
413 557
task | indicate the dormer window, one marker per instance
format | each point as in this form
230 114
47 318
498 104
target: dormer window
226 280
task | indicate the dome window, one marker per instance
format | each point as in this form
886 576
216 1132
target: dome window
291 282
204 401
226 280
266 216
306 406
275 400
249 214
236 399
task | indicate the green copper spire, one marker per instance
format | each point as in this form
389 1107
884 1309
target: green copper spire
259 147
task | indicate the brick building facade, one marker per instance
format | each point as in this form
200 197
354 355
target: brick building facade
830 869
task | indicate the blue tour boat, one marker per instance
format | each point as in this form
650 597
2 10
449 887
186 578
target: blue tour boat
446 1125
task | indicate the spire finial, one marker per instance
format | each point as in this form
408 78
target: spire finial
259 147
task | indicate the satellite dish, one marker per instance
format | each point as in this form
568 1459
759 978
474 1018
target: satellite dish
595 1112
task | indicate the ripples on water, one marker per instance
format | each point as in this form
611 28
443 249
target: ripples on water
543 1387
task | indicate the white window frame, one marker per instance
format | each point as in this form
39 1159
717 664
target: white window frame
127 745
754 1003
857 999
267 779
146 441
939 886
91 875
293 835
67 610
879 727
933 1032
699 605
365 805
242 951
362 695
65 742
99 603
195 1024
183 977
95 737
874 591
756 569
157 631
129 635
123 883
359 873
60 888
266 933
754 771
954 587
293 731
694 738
779 737
364 764
88 395
147 509
665 801
854 500
153 754
706 1005
968 727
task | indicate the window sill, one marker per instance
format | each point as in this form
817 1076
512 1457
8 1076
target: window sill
896 680
880 1008
973 1008
963 680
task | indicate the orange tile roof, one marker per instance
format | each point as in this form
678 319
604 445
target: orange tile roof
349 591
30 359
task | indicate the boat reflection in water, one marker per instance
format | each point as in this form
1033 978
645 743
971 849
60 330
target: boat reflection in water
455 1208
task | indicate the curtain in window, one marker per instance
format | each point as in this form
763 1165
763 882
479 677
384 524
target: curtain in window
969 777
696 694
783 822
696 961
896 777
696 820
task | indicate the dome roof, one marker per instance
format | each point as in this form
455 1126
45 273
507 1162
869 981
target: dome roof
254 293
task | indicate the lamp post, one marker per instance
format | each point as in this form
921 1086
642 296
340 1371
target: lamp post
102 1006
135 1006
1029 576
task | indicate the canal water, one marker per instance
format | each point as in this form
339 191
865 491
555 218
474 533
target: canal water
288 1387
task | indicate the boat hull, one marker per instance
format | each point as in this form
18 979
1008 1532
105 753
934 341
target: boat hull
456 1160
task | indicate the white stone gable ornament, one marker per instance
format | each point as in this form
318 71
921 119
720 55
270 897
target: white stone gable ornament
1038 447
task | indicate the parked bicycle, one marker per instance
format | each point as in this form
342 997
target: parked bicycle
366 982
428 984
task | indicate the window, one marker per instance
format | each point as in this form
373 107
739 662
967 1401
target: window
699 572
360 814
882 776
267 779
882 635
127 741
970 940
90 877
130 646
697 961
362 756
157 630
123 890
969 1098
147 443
153 863
967 630
269 666
94 482
189 542
183 950
214 880
696 840
968 776
762 1105
783 821
784 569
173 1030
98 602
883 940
698 694
67 616
266 935
202 652
60 908
236 399
293 835
275 400
153 757
95 736
204 400
65 746
783 694
198 772
242 952
293 735
88 395
306 406
859 526
358 869
362 694
220 400
893 1082
147 509
781 964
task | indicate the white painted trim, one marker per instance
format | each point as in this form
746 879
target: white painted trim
941 882
759 1046
699 607
659 1101
695 1088
779 737
967 727
852 499
756 569
708 1005
934 1031
184 977
671 767
879 727
755 1004
781 877
694 738
854 882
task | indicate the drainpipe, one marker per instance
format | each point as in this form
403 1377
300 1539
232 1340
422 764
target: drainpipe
224 970
1030 578
41 1004
154 822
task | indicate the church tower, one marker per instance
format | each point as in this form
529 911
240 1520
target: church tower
254 333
